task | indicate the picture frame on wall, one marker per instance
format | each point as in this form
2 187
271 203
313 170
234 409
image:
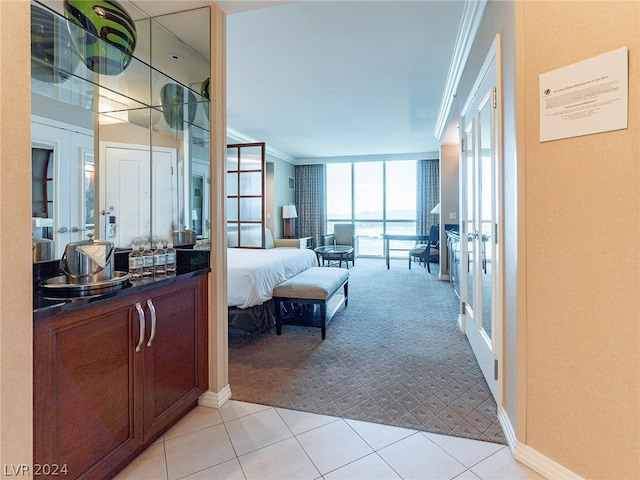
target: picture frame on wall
292 183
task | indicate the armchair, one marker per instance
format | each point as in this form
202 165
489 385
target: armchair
343 235
271 242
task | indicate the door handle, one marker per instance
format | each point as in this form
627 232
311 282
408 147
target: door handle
77 229
152 309
142 325
63 230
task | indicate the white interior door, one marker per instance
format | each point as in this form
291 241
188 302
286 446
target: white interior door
200 195
164 198
480 195
69 145
137 202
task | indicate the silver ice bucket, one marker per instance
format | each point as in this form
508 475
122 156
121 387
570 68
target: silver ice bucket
88 261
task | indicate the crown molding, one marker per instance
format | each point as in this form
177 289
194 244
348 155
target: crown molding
471 17
369 158
235 136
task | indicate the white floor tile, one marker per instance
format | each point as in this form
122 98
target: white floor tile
149 465
502 466
282 460
257 430
371 467
379 436
243 441
468 452
196 419
417 457
333 446
467 475
198 450
230 470
234 409
299 422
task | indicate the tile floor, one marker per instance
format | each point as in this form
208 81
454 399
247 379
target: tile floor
246 441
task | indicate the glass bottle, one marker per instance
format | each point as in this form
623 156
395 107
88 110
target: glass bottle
171 265
159 260
147 257
136 262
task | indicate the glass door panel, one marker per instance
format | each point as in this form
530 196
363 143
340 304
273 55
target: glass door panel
485 198
246 195
470 206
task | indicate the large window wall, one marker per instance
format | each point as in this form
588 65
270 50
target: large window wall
378 197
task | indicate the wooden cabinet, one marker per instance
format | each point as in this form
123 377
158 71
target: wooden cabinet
103 393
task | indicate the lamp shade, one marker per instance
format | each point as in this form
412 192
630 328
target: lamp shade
289 211
436 209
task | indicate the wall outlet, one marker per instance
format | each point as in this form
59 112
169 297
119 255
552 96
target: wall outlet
453 215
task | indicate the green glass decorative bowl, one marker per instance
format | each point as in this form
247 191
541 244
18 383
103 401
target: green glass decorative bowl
53 56
107 37
204 91
174 98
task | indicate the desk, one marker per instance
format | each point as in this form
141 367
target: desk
387 237
330 251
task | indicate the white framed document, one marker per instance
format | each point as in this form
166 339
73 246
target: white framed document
586 97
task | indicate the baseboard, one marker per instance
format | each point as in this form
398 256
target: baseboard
508 430
530 456
543 464
213 399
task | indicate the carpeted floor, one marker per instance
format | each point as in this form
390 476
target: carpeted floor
394 356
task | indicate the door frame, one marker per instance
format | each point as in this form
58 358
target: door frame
497 288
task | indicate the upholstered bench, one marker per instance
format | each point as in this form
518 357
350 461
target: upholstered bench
314 286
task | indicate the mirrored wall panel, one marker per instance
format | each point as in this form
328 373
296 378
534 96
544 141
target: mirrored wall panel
120 117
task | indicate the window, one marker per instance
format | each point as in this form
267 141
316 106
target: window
378 197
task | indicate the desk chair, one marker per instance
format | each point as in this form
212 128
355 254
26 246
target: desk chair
428 252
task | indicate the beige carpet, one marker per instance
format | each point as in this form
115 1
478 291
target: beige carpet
394 356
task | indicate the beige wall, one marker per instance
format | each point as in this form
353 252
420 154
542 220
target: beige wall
449 197
582 255
16 442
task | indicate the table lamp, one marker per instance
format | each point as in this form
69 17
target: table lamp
289 215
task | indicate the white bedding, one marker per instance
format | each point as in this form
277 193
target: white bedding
252 273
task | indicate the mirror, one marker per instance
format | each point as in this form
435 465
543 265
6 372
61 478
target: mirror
129 150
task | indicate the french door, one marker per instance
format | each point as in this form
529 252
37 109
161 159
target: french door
481 206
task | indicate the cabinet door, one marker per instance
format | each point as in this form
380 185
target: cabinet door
86 413
175 361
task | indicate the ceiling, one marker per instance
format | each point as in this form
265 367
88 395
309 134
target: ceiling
323 79
320 79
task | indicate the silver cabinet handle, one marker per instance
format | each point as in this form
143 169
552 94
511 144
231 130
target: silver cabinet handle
152 309
142 325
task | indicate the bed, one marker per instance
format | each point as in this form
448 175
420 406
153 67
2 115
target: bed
251 276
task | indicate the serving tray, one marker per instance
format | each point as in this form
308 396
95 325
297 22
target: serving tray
60 287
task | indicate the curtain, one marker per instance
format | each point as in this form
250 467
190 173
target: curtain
428 194
311 201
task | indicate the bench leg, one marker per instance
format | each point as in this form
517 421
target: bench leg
323 319
346 294
278 316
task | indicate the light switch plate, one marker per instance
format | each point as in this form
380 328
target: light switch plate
452 215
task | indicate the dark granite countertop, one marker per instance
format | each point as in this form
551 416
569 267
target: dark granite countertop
190 263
